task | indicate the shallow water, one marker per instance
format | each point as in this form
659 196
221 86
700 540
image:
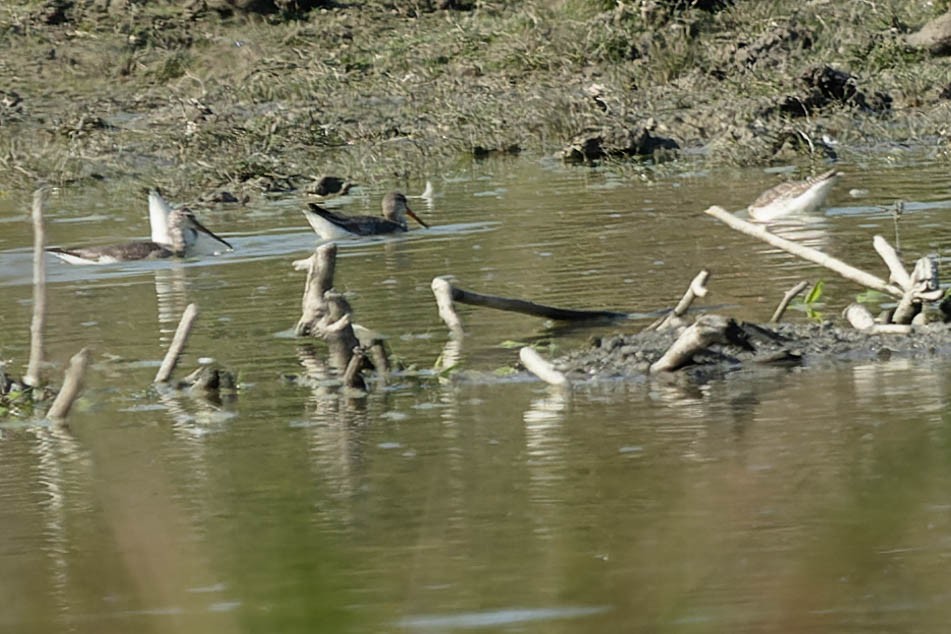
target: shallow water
814 498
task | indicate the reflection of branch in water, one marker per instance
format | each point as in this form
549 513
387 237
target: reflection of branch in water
324 380
335 441
171 292
451 355
545 445
54 444
207 410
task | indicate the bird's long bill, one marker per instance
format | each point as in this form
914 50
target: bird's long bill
210 233
409 212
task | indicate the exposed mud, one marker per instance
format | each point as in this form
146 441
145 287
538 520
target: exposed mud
267 95
766 348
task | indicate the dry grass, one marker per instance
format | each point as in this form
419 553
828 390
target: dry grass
385 92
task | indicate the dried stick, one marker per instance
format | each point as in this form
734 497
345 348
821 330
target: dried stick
541 368
37 326
72 386
892 329
859 317
178 344
896 269
529 308
351 376
922 285
380 359
697 288
442 289
804 252
336 328
320 279
708 329
784 303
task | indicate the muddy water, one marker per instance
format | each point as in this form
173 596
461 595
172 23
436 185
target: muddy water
806 499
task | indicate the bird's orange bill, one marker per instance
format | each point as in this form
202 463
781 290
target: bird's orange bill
412 215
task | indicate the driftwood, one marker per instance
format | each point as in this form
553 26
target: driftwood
912 290
859 317
178 344
673 319
320 279
327 314
541 368
784 303
806 253
352 378
442 289
446 293
380 359
336 328
889 255
33 378
922 285
707 330
72 386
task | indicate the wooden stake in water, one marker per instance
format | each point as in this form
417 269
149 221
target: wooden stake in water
37 326
72 386
178 344
320 279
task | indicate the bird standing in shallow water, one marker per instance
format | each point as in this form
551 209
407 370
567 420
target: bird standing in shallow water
793 197
330 225
175 233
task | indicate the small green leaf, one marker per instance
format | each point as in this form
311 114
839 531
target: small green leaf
815 294
871 297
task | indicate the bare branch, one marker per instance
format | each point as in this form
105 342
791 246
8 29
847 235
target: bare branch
38 324
442 289
804 252
788 297
541 368
178 344
72 386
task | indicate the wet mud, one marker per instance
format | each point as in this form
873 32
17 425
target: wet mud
766 348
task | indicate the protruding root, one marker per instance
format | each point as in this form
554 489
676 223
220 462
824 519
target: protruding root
707 330
673 319
922 286
320 279
72 386
177 346
352 378
541 368
442 289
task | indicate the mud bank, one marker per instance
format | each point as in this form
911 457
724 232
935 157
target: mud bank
767 347
263 97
